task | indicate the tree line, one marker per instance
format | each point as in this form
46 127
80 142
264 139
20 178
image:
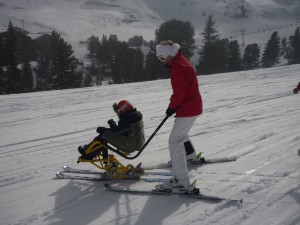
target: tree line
218 55
48 62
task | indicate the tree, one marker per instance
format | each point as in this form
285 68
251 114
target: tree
138 66
208 54
3 78
293 55
2 52
152 66
119 58
136 41
93 45
251 57
284 46
115 59
27 76
3 83
181 32
104 55
87 80
234 60
94 69
272 51
43 79
220 56
63 64
14 80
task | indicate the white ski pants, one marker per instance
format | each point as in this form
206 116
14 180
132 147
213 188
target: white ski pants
178 136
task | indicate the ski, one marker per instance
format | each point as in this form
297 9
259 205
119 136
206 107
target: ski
195 194
84 171
197 162
64 175
83 174
216 160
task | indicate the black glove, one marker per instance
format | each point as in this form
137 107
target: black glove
295 91
111 123
101 130
170 111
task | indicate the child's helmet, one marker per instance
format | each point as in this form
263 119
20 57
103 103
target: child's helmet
122 107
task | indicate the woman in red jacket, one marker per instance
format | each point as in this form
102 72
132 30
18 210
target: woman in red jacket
186 102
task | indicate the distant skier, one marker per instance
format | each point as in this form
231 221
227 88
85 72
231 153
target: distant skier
127 136
297 89
186 102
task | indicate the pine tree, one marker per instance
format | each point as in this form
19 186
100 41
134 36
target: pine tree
220 56
27 76
234 57
3 78
3 82
93 45
104 55
87 80
152 65
181 32
120 61
2 52
272 51
284 46
43 79
136 41
293 55
251 57
63 64
14 80
94 69
138 66
207 54
126 60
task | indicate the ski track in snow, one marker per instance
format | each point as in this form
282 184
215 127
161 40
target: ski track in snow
252 115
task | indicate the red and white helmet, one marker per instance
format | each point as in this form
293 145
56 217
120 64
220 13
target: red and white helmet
122 107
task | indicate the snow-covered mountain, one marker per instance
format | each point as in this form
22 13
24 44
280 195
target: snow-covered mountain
77 20
252 115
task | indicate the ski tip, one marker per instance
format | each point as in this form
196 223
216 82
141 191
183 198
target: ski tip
199 155
58 174
193 184
239 201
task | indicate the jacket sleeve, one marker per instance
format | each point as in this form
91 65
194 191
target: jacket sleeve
125 122
120 129
180 86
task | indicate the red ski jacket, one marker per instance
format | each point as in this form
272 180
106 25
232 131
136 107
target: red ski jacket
186 97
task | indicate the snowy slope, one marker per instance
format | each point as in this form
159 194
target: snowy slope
252 115
77 20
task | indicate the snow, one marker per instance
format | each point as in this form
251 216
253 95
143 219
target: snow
77 20
252 115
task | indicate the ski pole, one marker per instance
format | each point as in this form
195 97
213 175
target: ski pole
146 143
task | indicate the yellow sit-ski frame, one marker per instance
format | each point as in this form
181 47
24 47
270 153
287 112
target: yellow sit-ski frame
114 169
